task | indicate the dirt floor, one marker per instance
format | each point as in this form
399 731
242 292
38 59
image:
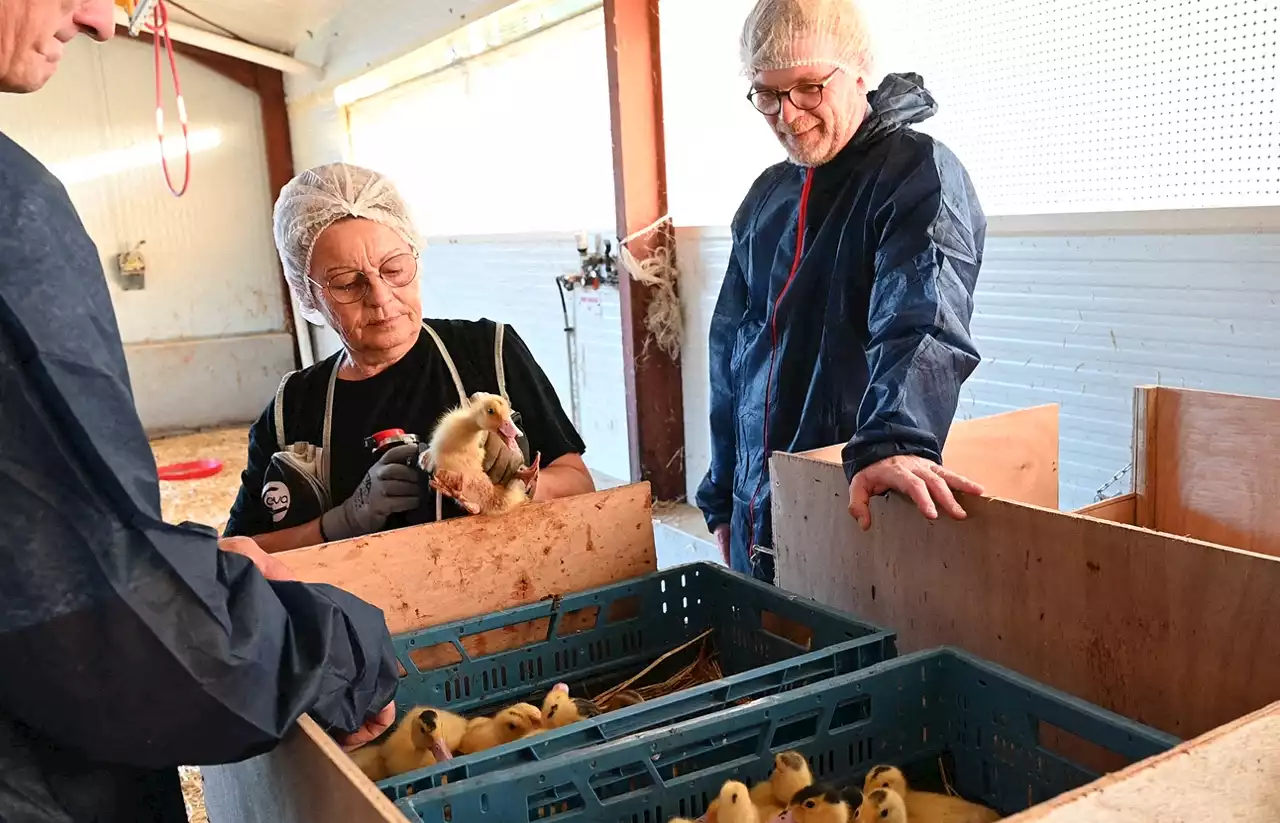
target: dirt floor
204 501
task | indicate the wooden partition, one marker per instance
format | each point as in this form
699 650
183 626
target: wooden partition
1207 465
1173 632
1014 455
420 577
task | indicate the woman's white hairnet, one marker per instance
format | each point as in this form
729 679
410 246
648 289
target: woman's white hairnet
315 200
782 34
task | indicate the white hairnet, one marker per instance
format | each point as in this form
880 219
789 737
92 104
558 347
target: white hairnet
782 34
315 200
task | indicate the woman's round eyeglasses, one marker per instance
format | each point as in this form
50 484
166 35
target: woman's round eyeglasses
804 96
352 286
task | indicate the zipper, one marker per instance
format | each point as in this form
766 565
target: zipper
801 219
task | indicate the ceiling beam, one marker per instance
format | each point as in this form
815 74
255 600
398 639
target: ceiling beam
655 402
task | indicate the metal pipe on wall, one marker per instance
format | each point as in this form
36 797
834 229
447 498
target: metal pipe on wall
232 48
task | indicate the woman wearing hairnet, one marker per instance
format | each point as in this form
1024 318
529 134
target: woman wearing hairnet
844 313
351 256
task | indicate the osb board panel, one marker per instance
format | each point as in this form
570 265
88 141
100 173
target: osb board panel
1231 774
1014 455
207 500
306 779
1175 633
1212 466
424 575
1121 509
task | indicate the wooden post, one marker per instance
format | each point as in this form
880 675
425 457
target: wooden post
655 425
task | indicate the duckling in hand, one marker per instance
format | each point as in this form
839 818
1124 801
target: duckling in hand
510 724
369 759
882 806
927 807
455 456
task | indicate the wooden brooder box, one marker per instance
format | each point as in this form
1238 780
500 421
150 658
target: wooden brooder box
420 577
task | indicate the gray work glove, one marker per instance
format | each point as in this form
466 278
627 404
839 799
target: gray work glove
501 462
390 486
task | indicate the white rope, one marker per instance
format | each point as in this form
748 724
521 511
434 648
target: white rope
658 272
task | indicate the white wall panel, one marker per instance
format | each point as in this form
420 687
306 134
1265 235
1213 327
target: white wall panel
1077 321
211 263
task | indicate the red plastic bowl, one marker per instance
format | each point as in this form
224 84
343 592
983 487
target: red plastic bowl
194 470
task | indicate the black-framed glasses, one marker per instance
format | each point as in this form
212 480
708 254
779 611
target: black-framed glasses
352 286
804 96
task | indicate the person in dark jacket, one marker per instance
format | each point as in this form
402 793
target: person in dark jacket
130 646
844 313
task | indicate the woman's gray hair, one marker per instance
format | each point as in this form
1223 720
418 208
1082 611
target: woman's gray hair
315 200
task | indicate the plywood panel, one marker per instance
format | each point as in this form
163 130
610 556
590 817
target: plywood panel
1122 509
1209 466
306 779
1014 455
425 575
1231 773
1176 633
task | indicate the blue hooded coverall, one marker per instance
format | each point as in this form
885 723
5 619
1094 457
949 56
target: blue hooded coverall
844 313
128 646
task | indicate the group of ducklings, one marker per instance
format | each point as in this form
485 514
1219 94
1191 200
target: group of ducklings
790 795
426 736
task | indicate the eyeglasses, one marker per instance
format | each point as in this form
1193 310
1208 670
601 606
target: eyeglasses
805 96
352 286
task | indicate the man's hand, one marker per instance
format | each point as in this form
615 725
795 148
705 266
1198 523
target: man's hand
722 540
924 481
501 462
271 567
372 727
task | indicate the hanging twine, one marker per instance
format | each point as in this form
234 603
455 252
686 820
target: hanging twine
658 272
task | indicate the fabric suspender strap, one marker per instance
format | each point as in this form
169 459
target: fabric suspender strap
448 361
326 451
462 397
279 411
498 335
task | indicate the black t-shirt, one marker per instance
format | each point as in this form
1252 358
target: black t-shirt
410 395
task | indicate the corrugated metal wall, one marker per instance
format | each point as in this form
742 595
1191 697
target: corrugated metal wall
205 337
1079 321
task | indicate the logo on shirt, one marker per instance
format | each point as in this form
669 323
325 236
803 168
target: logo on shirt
275 496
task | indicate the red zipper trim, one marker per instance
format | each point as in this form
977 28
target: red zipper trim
773 350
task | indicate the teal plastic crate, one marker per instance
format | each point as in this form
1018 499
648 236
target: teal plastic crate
598 638
1002 739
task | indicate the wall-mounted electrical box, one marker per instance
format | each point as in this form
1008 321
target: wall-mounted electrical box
133 268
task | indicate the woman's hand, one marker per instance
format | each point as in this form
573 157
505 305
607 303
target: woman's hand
390 486
501 462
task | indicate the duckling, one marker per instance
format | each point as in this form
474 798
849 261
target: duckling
927 807
510 724
455 456
624 698
882 806
735 804
419 741
824 804
559 709
369 760
790 775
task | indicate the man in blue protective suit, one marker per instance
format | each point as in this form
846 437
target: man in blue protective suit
129 646
844 313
